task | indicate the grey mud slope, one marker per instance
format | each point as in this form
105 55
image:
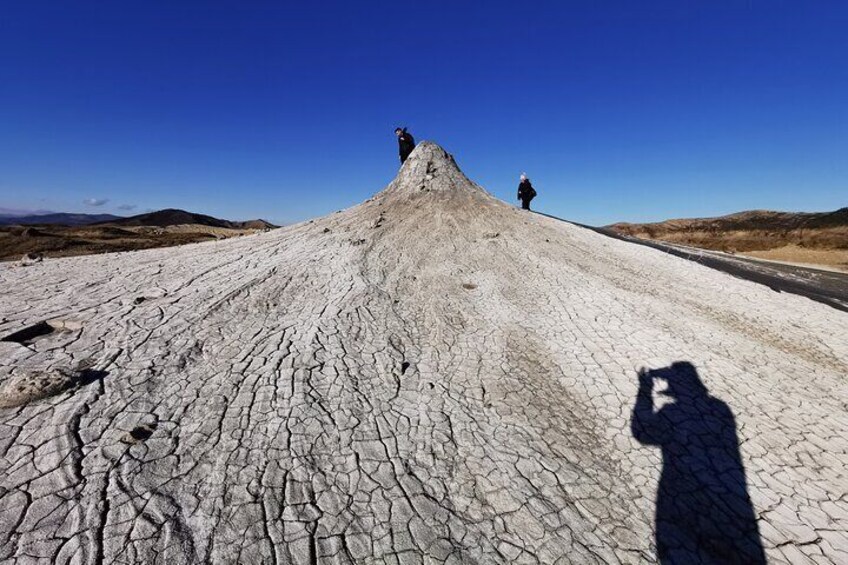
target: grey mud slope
431 376
827 287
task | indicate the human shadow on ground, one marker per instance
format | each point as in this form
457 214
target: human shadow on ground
704 513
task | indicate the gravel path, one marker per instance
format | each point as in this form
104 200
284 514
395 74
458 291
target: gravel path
432 376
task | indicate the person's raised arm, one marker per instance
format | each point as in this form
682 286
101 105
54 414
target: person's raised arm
644 423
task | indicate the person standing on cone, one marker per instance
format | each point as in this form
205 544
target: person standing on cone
406 143
526 192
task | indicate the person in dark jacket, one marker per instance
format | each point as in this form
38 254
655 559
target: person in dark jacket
526 192
406 143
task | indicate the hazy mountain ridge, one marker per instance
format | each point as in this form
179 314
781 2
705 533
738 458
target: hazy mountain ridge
57 218
160 218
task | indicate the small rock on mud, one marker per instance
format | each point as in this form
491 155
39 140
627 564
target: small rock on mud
34 385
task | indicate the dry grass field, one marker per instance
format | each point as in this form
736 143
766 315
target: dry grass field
819 239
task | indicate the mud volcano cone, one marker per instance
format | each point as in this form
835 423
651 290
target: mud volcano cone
433 376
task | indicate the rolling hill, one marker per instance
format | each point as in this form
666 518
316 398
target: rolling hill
803 237
174 217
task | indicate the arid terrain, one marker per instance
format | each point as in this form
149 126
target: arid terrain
819 239
145 231
432 376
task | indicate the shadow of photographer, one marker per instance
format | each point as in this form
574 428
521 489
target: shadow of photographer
703 511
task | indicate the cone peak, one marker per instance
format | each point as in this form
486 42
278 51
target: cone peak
431 169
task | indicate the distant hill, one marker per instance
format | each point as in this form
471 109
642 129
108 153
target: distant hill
162 218
806 237
258 224
164 228
773 228
57 219
174 217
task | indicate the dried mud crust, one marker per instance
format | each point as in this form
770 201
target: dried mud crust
335 392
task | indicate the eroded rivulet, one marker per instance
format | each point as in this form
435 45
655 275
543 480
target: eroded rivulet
431 376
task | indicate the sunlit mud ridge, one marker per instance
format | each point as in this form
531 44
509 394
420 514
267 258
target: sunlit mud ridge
432 376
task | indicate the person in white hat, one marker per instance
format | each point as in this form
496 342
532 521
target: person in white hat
526 192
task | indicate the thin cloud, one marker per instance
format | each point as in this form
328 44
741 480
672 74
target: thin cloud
95 201
127 207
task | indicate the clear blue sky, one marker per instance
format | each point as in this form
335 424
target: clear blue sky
617 110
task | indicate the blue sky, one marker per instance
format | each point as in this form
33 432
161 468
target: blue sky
617 110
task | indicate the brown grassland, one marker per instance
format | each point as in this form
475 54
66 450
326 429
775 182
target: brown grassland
819 239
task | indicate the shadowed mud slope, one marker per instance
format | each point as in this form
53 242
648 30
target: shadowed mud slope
432 376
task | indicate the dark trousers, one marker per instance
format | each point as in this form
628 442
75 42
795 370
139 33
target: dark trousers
525 203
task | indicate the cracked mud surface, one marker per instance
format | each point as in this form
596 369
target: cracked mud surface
432 376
